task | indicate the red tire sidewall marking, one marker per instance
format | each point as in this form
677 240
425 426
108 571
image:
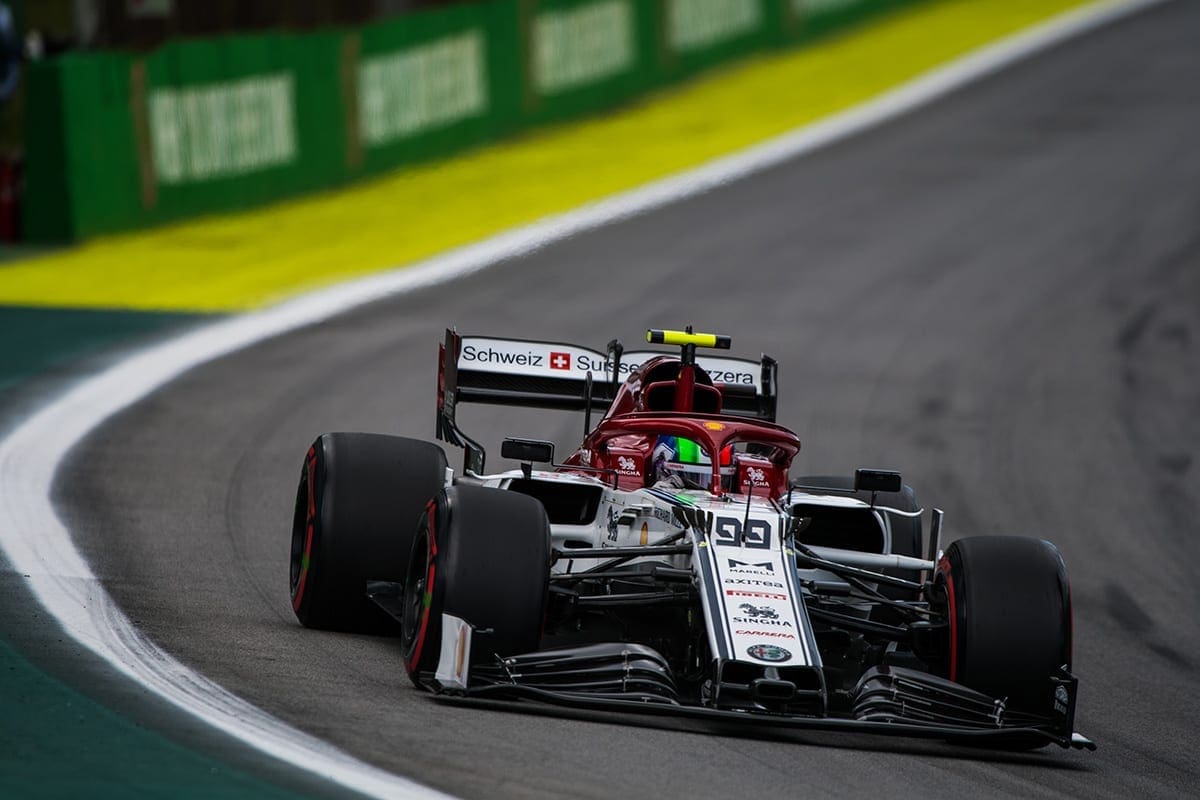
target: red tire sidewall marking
430 525
310 527
952 613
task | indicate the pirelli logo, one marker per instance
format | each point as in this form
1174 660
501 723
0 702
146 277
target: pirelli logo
759 595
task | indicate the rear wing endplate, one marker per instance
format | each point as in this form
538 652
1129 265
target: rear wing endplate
534 374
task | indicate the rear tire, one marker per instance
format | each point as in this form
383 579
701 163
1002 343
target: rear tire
1008 601
483 555
357 505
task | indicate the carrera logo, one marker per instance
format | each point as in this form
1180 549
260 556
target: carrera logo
476 355
560 360
757 595
767 634
761 567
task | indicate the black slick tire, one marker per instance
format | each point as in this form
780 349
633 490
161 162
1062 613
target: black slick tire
483 555
1008 602
357 505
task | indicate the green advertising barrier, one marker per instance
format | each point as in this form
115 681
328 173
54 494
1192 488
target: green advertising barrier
429 84
696 34
236 121
581 56
802 20
118 141
79 148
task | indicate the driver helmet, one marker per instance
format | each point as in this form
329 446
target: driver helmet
685 459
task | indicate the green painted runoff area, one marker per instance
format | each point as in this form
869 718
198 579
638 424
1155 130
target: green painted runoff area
38 340
57 743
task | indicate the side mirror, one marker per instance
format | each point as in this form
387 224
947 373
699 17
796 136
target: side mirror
528 450
876 480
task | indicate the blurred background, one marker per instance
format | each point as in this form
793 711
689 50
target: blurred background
32 30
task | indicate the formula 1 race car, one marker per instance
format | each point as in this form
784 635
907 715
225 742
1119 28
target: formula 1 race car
671 565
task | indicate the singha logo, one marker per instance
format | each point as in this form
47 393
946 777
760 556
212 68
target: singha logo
627 465
756 476
759 612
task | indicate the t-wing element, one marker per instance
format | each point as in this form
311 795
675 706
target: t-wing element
685 394
685 338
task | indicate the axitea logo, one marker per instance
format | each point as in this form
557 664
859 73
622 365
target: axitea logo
753 582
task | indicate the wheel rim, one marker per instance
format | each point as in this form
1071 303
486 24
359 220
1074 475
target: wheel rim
414 591
299 530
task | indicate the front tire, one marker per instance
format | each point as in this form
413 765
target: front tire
357 505
483 555
1008 603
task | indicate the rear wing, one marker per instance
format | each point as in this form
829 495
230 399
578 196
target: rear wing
534 374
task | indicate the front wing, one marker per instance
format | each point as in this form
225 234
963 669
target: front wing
620 677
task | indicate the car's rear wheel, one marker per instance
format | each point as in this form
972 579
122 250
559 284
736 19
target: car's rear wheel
1008 605
482 555
357 506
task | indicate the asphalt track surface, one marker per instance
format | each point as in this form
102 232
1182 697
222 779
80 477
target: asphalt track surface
998 294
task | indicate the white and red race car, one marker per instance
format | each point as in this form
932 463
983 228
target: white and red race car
672 565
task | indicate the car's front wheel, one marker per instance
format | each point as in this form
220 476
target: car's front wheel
482 555
1008 607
